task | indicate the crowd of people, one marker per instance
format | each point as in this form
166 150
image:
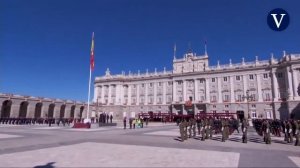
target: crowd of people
40 121
290 129
135 122
207 126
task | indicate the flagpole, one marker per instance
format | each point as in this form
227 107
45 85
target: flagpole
88 108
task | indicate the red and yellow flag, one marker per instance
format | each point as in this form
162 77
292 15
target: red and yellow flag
92 61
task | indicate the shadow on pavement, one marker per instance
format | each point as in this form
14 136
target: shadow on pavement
48 165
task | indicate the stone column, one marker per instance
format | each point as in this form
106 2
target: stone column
231 78
102 95
295 83
245 86
155 93
259 92
129 95
219 90
14 110
275 86
196 90
31 110
184 91
68 110
290 83
137 94
109 94
164 92
96 93
146 93
56 111
207 90
174 91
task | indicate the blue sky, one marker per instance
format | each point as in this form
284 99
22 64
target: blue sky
45 44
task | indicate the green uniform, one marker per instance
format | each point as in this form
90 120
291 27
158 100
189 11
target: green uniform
203 130
194 127
185 123
289 132
181 130
244 130
267 133
211 126
223 129
297 133
190 128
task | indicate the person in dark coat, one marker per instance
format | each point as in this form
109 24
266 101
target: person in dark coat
124 122
107 118
111 117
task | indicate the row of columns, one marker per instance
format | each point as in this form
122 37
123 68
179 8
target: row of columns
291 85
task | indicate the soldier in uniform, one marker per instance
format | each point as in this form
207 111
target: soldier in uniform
181 130
206 128
124 122
185 124
267 132
190 128
223 130
289 132
297 132
203 125
210 127
244 130
199 126
194 127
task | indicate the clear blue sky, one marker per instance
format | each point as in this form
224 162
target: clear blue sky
45 44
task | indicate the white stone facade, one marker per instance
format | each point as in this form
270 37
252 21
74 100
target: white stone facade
272 84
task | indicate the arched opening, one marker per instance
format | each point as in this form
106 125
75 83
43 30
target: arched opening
81 111
23 109
38 110
51 110
62 111
5 110
72 111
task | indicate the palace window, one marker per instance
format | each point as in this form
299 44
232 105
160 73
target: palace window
214 98
226 98
150 84
238 78
213 79
143 85
169 83
159 83
201 80
251 77
253 114
214 106
226 106
265 76
225 79
179 82
253 106
239 98
280 75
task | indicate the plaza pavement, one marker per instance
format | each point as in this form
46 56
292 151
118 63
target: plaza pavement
157 145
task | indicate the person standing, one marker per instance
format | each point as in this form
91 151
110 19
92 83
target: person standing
297 132
267 132
124 122
244 130
223 129
211 127
107 118
185 124
203 125
181 130
111 117
194 127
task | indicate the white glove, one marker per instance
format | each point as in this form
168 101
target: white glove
244 130
290 130
267 131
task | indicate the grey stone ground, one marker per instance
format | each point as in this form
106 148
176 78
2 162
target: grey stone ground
155 146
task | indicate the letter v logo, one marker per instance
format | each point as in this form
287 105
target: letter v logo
278 19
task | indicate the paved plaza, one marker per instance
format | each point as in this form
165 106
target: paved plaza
158 145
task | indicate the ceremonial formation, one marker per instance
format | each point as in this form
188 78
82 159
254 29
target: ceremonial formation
206 127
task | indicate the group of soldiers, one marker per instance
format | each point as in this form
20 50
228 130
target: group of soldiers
33 121
289 128
207 126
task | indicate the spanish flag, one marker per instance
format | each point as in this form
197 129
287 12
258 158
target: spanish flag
92 61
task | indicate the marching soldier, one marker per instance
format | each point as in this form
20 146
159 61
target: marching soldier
223 130
267 132
210 127
190 128
207 129
203 125
124 122
244 130
194 127
289 132
297 133
199 126
181 129
185 124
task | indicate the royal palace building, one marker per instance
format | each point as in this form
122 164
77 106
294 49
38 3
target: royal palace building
257 89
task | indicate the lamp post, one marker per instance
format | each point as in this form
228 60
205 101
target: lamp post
248 97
